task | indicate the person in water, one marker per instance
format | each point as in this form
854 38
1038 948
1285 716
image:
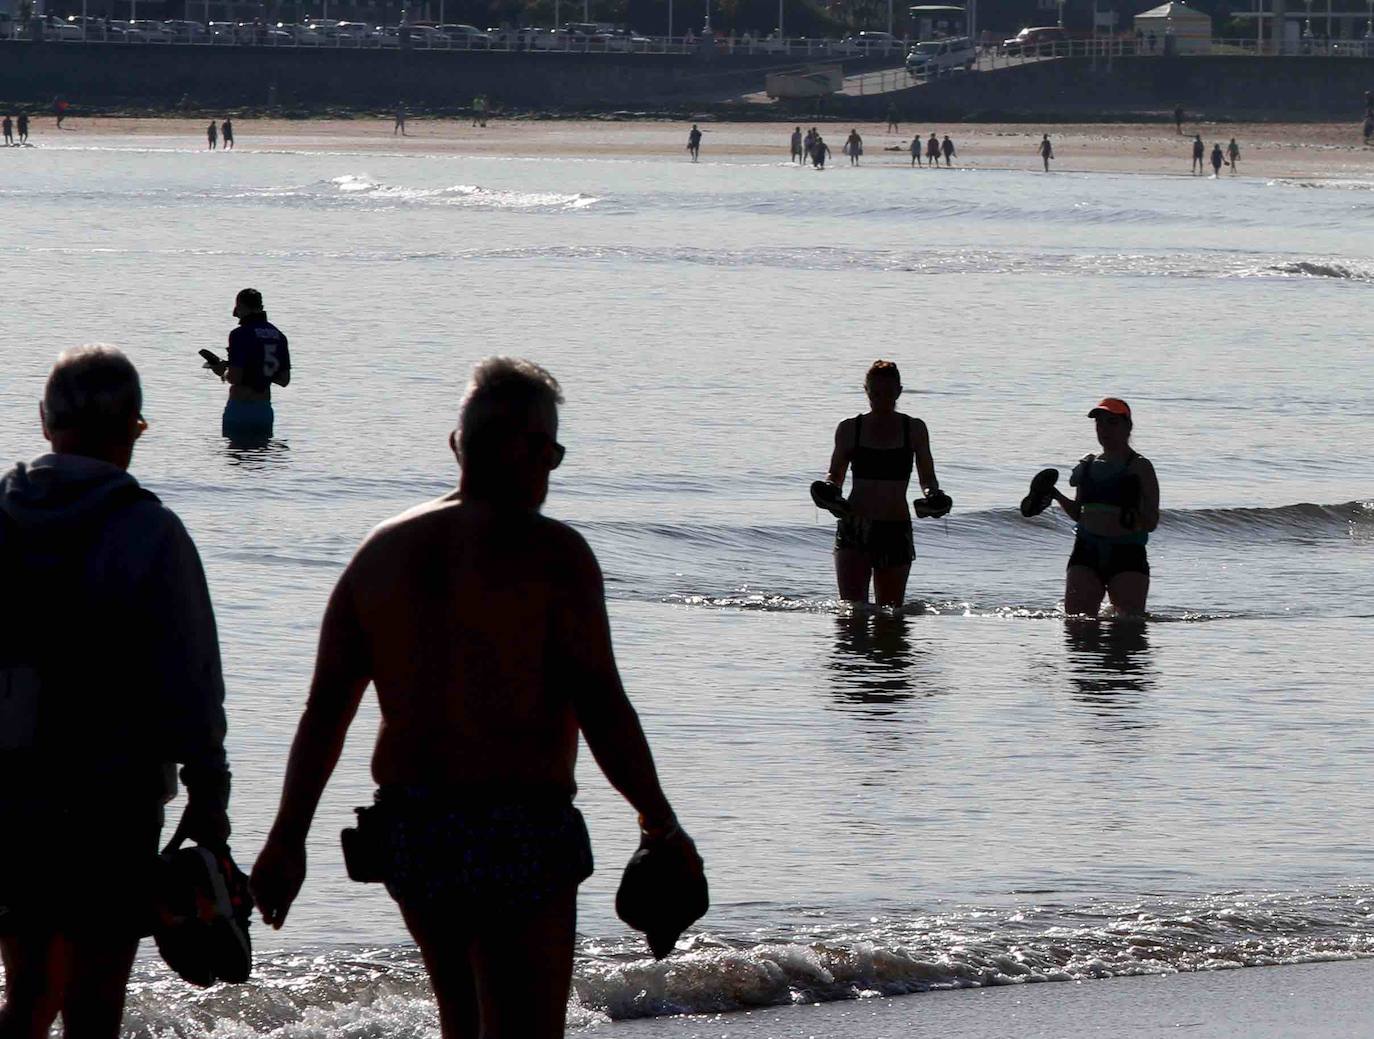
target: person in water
1199 149
258 358
110 666
1217 159
854 147
226 132
1116 508
22 125
8 128
1046 151
482 626
933 150
873 542
820 151
1233 155
212 135
694 143
947 149
797 154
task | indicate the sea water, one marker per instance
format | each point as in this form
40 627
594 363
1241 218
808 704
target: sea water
973 794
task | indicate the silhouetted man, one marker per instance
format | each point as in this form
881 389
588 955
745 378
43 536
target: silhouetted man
482 625
110 664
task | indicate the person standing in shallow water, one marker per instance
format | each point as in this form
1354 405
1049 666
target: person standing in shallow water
1046 151
211 135
226 131
854 147
873 543
1217 159
1116 507
694 143
482 626
947 149
797 145
7 125
259 357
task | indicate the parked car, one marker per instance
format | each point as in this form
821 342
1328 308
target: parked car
866 43
183 31
466 37
221 32
1035 40
149 31
61 30
429 36
936 57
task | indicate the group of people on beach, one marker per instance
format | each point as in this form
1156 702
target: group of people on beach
934 148
1231 157
482 626
1115 504
15 129
214 134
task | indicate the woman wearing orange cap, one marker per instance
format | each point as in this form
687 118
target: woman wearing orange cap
873 537
1116 507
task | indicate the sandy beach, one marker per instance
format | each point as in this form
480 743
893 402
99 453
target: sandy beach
1320 150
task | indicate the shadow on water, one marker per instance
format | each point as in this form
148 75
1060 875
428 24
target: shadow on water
874 667
1109 665
264 453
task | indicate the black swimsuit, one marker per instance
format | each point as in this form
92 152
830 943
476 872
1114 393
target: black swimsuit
885 543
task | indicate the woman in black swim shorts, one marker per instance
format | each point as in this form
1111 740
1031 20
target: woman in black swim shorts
873 542
1116 507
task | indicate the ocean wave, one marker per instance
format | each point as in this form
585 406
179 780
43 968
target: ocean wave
474 195
1317 269
384 992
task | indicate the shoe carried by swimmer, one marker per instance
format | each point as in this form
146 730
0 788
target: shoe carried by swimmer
202 915
934 505
828 497
1039 498
214 362
663 890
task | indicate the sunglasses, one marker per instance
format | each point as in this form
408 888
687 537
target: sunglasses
545 442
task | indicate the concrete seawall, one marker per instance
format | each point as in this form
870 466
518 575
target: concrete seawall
1071 88
161 75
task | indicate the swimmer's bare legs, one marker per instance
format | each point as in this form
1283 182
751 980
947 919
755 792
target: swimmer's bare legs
1083 592
504 979
83 981
1128 592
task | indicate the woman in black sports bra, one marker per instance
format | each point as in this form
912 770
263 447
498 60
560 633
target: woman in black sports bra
873 541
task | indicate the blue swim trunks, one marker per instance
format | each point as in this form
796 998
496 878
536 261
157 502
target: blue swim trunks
247 419
457 851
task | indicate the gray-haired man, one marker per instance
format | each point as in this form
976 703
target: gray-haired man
110 668
483 627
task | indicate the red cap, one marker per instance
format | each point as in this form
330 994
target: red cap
1112 406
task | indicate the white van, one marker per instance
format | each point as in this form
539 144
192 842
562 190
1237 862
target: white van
936 57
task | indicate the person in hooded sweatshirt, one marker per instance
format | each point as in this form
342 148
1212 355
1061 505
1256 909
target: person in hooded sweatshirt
110 662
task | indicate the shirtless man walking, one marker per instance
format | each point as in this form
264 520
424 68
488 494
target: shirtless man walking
483 627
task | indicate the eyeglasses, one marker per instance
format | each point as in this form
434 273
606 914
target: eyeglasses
548 443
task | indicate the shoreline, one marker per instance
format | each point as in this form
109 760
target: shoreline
1268 150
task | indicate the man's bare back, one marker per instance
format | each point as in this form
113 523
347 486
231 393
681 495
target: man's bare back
464 649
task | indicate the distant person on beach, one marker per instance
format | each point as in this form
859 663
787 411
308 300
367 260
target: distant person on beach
479 111
947 149
1116 507
1046 151
482 626
399 126
916 150
1217 159
1199 150
933 150
854 147
7 126
1233 155
808 142
59 108
226 131
22 125
1368 128
1369 103
1178 119
211 135
694 143
873 541
259 357
820 151
892 126
111 669
797 145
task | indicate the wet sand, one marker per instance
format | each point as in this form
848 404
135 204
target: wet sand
1319 150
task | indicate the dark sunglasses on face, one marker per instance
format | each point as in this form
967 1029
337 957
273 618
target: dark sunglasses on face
544 441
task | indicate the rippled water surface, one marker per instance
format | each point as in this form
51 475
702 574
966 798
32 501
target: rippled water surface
972 794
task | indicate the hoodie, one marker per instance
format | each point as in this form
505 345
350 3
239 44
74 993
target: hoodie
127 622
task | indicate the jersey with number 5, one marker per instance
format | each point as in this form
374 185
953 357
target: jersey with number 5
258 348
